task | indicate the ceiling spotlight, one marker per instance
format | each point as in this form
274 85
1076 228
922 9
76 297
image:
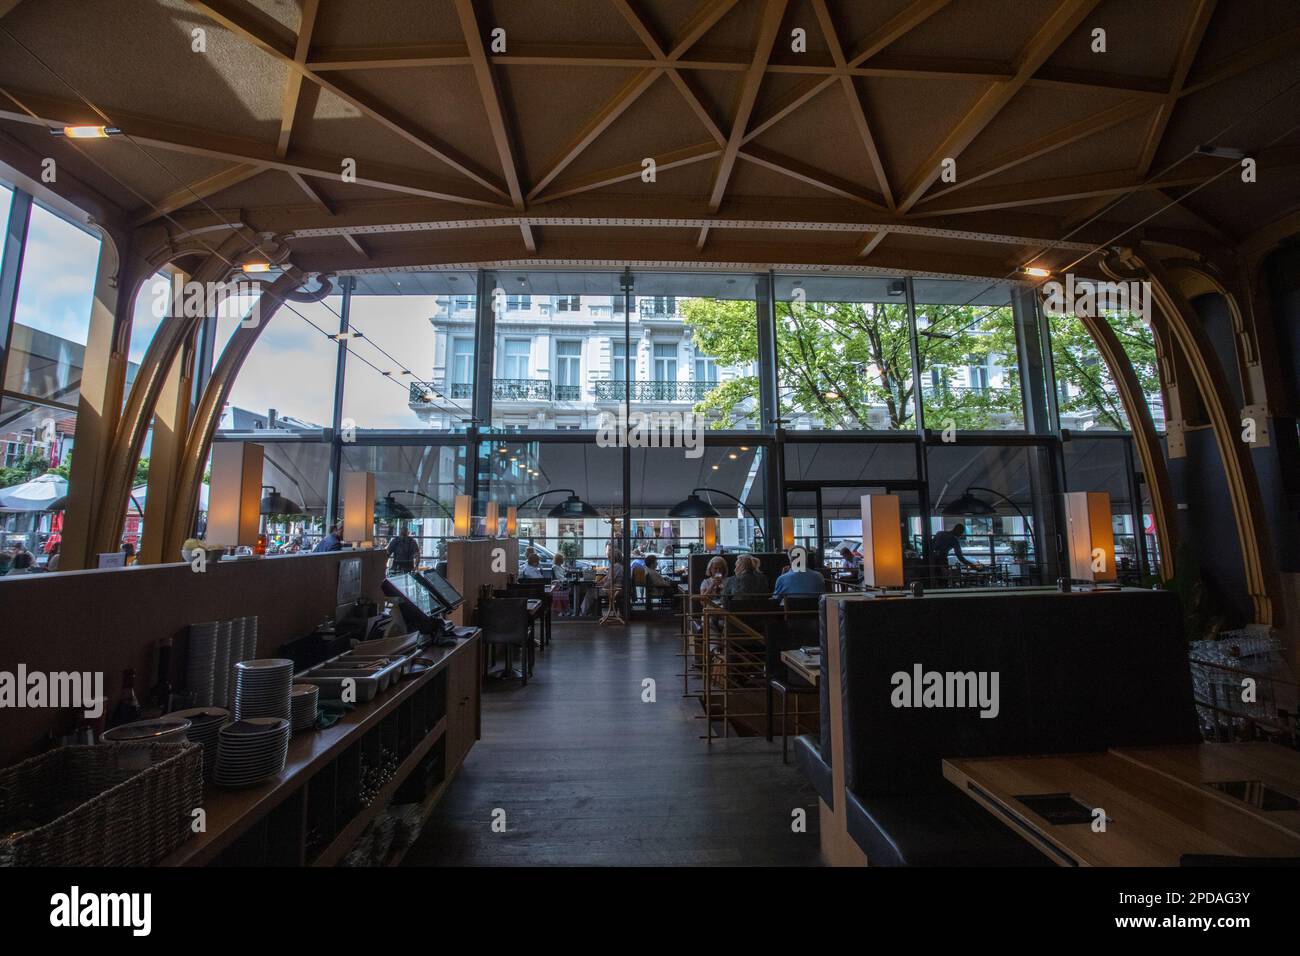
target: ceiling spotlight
257 266
731 455
1038 272
86 132
1221 152
715 467
501 450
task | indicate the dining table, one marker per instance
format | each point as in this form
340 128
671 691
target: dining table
1148 806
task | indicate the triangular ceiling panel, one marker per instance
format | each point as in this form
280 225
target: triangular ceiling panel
799 14
1132 47
532 96
910 118
1001 30
370 24
825 121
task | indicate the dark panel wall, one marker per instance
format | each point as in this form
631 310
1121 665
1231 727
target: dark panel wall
110 620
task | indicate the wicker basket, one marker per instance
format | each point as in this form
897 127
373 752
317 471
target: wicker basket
110 805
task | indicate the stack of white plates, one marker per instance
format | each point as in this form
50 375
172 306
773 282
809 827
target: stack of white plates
236 655
262 688
302 702
221 688
205 729
251 751
201 663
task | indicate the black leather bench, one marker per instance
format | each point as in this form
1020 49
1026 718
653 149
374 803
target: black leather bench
1083 671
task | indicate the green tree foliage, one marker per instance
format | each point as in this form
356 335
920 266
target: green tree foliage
850 364
32 465
1079 363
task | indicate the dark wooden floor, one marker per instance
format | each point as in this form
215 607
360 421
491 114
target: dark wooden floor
588 774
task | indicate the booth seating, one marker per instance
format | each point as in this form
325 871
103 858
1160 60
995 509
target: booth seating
1081 671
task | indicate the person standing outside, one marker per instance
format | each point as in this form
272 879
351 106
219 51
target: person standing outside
403 551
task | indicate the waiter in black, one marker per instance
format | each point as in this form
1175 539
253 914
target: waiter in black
404 551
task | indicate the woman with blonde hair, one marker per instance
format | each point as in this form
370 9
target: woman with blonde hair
714 576
748 579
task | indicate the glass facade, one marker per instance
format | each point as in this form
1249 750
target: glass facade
505 386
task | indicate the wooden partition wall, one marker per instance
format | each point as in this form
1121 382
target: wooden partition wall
112 619
470 566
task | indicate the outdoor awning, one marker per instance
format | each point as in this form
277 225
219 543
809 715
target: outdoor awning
45 493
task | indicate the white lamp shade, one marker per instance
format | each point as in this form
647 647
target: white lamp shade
358 506
462 521
493 520
710 533
1090 536
787 532
512 521
235 493
882 541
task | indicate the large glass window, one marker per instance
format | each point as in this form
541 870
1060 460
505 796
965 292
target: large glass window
1086 394
966 346
1001 496
844 358
287 380
1106 464
415 488
411 358
52 315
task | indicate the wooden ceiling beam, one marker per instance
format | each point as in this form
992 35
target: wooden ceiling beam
325 59
633 170
1062 22
1275 46
312 193
1049 142
600 121
497 122
149 131
1059 78
1089 186
856 111
246 21
911 16
356 245
1202 11
871 242
293 83
788 166
708 14
198 191
7 6
770 22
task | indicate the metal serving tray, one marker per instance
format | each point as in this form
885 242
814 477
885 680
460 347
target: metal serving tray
371 674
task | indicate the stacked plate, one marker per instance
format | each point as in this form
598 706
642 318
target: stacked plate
262 688
249 650
251 751
205 729
302 705
200 666
221 689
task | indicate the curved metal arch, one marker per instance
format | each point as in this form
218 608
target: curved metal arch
208 414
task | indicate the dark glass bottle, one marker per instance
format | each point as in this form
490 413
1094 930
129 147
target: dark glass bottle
128 707
160 695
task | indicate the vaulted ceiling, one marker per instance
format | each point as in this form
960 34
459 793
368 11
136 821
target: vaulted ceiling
784 133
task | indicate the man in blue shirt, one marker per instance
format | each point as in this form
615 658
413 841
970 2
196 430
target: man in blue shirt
799 584
332 541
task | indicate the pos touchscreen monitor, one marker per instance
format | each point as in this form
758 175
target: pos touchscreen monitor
441 587
420 604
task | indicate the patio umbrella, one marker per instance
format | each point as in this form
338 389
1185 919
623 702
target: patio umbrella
45 493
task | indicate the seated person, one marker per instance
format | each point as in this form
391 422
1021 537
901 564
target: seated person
532 567
637 565
798 584
748 579
714 577
591 601
654 579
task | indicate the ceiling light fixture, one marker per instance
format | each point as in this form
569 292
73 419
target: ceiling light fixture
256 266
1038 272
86 132
1221 152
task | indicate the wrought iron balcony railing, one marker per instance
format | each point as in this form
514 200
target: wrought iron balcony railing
612 390
541 390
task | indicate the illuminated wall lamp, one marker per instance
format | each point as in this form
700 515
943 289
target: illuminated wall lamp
358 507
493 520
710 533
235 493
787 532
512 521
1037 272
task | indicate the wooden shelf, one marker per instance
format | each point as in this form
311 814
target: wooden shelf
231 814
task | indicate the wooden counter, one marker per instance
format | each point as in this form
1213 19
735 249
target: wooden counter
311 814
